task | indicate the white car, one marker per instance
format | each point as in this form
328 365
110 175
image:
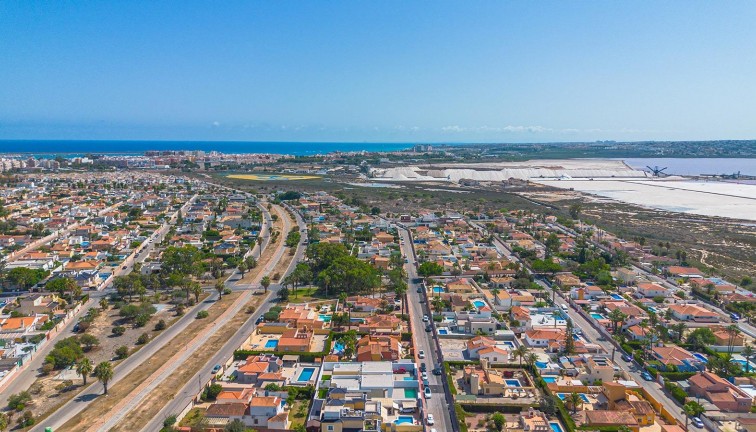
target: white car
424 375
421 354
425 318
427 393
430 420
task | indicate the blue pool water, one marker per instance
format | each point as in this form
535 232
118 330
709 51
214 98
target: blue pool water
563 396
443 331
700 357
555 427
272 343
541 365
338 347
404 420
509 344
597 316
306 374
438 290
325 318
549 379
616 297
653 309
513 383
479 303
410 393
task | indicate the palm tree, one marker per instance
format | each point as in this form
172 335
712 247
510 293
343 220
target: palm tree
679 329
220 286
692 409
401 290
531 359
732 332
265 282
616 317
84 368
521 351
104 373
575 401
748 353
196 290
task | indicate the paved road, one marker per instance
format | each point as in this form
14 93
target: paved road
592 335
423 340
194 385
27 376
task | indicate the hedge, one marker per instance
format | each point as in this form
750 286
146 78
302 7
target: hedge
461 415
677 376
676 391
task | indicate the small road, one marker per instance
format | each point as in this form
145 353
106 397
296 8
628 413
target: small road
423 341
194 386
27 376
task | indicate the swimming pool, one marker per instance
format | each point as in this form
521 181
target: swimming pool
272 343
479 304
338 347
404 420
325 318
513 383
549 379
616 296
541 365
410 393
653 309
563 396
701 357
597 316
443 331
509 344
306 374
556 427
437 290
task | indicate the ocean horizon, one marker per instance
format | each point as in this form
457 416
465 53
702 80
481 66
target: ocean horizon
112 147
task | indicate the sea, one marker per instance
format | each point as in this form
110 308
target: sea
68 148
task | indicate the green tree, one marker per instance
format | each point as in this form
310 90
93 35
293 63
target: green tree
520 352
575 401
692 409
89 341
220 287
196 290
265 282
499 420
104 373
428 269
64 285
84 368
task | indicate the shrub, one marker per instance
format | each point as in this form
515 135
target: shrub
213 391
118 330
122 352
141 320
161 325
143 339
202 314
19 401
250 309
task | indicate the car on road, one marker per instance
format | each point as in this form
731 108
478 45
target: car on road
430 420
421 354
425 318
647 376
434 430
437 371
423 367
695 420
735 316
216 369
627 357
564 307
426 383
424 375
419 290
428 328
427 393
76 328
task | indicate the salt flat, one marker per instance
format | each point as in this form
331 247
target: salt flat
723 199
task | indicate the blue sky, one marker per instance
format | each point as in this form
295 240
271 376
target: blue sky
378 71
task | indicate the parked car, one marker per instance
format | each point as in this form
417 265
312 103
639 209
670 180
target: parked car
424 375
425 318
627 357
216 369
647 376
565 307
426 383
427 392
419 290
735 316
421 354
428 328
423 367
697 422
437 371
430 420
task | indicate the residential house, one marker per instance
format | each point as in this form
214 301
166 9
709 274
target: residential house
720 392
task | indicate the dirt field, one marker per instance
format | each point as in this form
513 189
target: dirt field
254 275
119 391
